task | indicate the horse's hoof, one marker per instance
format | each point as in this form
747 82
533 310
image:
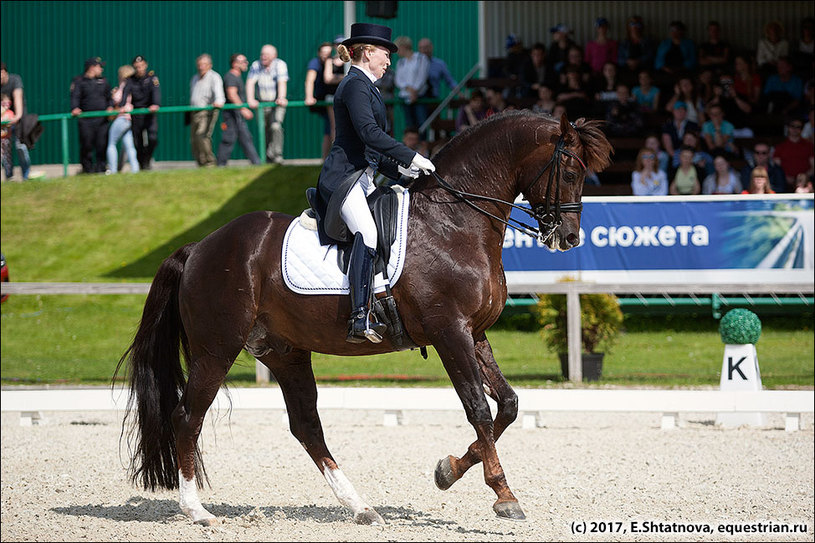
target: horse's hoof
509 510
209 521
369 517
444 476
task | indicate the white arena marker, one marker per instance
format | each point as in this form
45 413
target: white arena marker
740 373
393 417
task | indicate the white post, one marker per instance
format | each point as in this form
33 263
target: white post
262 373
740 372
573 327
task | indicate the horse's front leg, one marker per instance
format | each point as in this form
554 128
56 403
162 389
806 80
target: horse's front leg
451 469
458 353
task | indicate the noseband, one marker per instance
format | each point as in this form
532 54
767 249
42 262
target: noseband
546 213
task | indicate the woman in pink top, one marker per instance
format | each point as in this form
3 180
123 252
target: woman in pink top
601 49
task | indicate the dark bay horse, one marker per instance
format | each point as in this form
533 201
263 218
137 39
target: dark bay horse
212 298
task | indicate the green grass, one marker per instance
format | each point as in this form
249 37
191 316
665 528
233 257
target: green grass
120 228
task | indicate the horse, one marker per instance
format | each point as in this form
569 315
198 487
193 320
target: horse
211 299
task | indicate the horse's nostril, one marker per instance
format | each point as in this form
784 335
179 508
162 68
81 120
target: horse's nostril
572 240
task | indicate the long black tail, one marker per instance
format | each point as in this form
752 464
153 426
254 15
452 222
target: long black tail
157 381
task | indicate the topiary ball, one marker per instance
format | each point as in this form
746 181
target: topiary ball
740 326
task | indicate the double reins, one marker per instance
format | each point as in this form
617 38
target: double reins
548 213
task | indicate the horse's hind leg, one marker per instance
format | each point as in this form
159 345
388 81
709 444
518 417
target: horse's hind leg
451 469
294 375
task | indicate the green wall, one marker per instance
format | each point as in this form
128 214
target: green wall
48 42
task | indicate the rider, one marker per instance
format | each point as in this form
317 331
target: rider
361 147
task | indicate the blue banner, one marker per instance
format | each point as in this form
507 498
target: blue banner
627 236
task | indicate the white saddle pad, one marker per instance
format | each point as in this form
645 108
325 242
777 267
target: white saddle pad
311 268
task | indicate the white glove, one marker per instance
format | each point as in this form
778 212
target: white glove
412 171
423 164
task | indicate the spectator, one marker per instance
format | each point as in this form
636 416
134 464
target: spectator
206 89
794 154
723 180
623 117
234 126
759 182
120 129
12 86
663 158
686 178
746 82
143 91
606 86
410 137
91 92
6 114
701 159
411 82
771 47
685 91
560 111
714 53
674 129
704 85
636 52
573 94
647 179
536 72
783 90
735 107
574 59
546 101
718 132
760 157
804 52
646 94
437 71
387 87
560 46
676 53
472 112
315 87
601 49
495 102
803 184
271 75
806 133
514 62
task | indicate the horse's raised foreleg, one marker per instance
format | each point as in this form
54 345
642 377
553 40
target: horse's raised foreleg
463 359
451 469
294 375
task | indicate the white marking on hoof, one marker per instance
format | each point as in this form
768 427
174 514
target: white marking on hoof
191 505
344 491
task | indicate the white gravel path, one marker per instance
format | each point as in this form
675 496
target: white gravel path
64 480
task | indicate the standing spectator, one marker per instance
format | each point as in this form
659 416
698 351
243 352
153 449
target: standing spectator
536 73
559 47
794 154
718 132
723 180
472 112
12 86
674 129
206 89
234 124
676 53
686 178
759 182
144 88
91 92
437 71
315 87
783 90
636 52
760 157
647 179
271 75
714 53
120 129
646 94
517 56
771 47
6 114
685 91
601 49
387 89
411 82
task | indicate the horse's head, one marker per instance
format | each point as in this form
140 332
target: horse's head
552 181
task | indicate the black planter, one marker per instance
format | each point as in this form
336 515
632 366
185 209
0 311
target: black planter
592 364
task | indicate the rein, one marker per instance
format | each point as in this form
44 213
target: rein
546 213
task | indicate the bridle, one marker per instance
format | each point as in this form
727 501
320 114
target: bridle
547 214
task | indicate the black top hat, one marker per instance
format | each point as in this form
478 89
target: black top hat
371 33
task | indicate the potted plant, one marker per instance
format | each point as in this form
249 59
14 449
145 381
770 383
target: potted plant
600 318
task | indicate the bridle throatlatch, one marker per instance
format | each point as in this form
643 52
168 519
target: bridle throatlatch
547 214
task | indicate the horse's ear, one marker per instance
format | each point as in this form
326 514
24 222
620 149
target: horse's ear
567 131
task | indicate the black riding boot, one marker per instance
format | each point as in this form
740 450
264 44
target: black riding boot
361 278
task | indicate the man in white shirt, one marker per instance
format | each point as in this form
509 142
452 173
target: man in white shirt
270 75
206 88
411 82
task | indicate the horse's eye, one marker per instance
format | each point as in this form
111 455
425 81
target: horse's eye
570 177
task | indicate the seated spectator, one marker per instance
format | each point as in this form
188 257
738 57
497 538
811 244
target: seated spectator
546 102
663 158
715 52
783 90
623 116
759 157
605 88
536 72
674 129
646 94
574 59
746 82
410 137
676 53
771 47
601 49
495 102
704 85
636 52
701 159
685 91
723 180
686 178
559 47
718 132
736 109
647 179
560 111
472 112
803 54
794 154
803 184
573 94
759 182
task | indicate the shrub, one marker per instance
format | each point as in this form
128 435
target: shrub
601 320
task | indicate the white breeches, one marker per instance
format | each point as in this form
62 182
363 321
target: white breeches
355 210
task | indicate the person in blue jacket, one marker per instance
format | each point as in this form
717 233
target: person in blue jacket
361 147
